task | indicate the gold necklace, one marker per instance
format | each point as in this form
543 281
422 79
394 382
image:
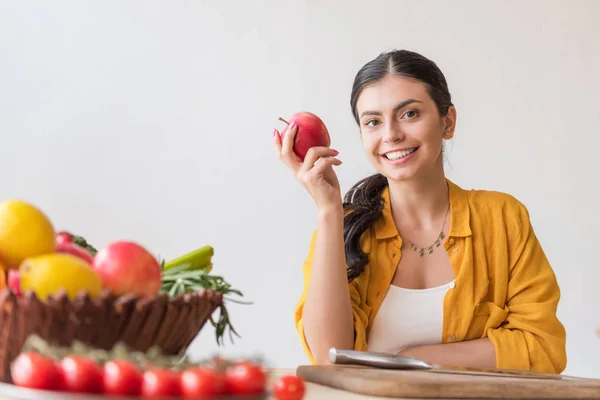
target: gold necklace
437 243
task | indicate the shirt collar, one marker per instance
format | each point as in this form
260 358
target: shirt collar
385 227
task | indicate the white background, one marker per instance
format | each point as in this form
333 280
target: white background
152 121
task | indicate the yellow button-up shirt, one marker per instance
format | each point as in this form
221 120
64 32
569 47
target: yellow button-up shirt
505 288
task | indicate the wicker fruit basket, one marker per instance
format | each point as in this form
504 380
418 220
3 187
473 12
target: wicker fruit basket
57 288
167 322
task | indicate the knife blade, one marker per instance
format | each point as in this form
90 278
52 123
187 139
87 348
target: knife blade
392 361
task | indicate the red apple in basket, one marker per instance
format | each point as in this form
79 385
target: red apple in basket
65 244
64 237
126 267
311 132
73 249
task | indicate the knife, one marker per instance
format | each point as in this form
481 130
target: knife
392 361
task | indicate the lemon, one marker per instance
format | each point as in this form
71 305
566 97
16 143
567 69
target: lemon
25 231
50 273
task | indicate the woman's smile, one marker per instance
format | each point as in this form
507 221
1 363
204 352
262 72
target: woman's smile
399 156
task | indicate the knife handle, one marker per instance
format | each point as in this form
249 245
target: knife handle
378 360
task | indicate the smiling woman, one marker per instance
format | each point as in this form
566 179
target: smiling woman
410 263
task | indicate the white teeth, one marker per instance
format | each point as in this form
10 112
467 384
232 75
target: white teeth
396 155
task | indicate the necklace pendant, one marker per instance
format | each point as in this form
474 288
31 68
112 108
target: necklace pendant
442 235
437 243
421 253
413 247
430 250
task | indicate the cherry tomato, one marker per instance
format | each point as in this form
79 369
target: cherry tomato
160 382
289 387
245 377
198 381
122 377
35 371
81 374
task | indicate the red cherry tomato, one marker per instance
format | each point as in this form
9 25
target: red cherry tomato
81 374
289 387
160 382
122 377
64 237
34 371
206 382
246 377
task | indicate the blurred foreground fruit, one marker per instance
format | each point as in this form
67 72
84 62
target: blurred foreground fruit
160 383
81 374
127 267
73 249
64 237
31 370
122 377
289 387
149 374
48 274
25 231
202 382
311 132
246 378
4 273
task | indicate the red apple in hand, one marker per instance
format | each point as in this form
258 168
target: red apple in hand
126 267
311 132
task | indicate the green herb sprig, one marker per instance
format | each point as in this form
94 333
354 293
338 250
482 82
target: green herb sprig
179 280
81 242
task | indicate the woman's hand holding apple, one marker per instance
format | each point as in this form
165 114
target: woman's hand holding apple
315 173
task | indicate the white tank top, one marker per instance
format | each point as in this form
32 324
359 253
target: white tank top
408 318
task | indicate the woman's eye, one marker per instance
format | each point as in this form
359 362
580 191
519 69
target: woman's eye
372 122
410 114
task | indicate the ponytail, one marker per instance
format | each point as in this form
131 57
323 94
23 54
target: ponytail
363 206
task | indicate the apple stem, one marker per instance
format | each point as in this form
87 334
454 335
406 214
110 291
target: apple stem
283 120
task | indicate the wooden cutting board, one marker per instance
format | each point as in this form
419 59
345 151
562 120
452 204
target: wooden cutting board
434 385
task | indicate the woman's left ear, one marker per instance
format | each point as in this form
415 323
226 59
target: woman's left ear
450 123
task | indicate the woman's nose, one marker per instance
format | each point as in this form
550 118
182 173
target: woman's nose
392 134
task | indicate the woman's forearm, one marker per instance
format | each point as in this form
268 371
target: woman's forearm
478 353
327 314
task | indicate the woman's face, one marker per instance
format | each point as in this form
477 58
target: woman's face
401 129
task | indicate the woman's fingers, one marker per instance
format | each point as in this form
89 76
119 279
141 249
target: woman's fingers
324 163
277 141
315 153
287 154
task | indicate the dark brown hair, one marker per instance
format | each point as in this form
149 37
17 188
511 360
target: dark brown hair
363 204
